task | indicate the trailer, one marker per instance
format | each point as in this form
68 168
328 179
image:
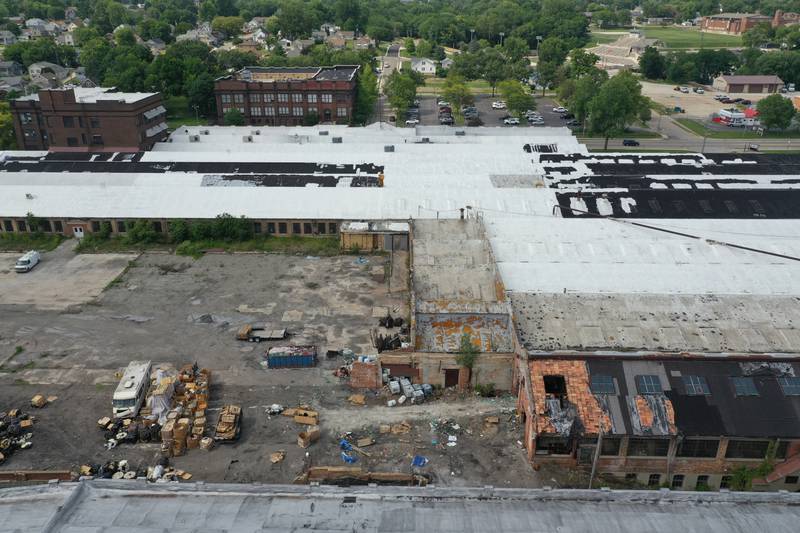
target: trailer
259 332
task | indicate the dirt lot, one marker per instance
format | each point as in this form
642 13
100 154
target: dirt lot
696 105
175 310
62 278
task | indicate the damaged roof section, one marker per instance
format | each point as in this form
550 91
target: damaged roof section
457 289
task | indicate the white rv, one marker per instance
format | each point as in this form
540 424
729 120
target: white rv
132 388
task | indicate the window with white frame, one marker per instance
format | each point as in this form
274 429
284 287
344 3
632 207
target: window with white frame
269 111
297 97
283 110
297 111
312 109
341 111
226 98
327 98
238 98
255 98
283 97
311 98
256 111
269 97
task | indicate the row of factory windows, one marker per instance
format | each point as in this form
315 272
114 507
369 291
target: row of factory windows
694 385
297 98
270 111
121 226
655 447
701 483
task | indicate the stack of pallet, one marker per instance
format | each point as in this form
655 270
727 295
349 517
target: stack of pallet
228 424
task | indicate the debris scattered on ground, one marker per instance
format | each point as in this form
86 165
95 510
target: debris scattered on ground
419 461
308 437
229 424
15 434
160 473
38 401
357 399
349 474
277 457
366 441
275 409
402 427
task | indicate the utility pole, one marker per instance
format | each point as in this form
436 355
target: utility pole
502 34
596 454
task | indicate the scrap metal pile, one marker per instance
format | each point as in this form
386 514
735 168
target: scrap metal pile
15 432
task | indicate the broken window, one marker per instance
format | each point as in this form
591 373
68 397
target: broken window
677 482
648 384
256 227
696 385
744 386
725 482
282 227
270 227
648 447
610 446
702 483
790 385
555 385
296 228
654 480
602 384
781 448
698 448
792 480
747 449
307 228
553 446
630 477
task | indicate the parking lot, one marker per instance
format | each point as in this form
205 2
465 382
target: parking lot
175 310
699 106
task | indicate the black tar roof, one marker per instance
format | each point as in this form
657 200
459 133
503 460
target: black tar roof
771 414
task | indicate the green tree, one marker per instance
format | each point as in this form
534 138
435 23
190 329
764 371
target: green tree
581 63
208 10
455 90
515 48
230 26
410 47
775 112
401 90
366 95
295 20
467 354
552 54
618 103
7 137
311 119
584 90
652 64
516 96
178 230
493 66
234 117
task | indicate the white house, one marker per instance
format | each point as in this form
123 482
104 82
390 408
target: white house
423 65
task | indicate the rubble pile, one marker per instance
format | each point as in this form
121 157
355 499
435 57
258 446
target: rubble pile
160 473
16 429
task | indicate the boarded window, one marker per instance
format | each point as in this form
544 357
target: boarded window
698 448
747 449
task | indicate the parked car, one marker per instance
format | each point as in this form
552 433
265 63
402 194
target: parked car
446 120
442 103
511 121
746 102
698 90
567 116
721 97
412 122
536 121
498 105
416 103
559 109
574 123
630 142
753 147
27 262
685 89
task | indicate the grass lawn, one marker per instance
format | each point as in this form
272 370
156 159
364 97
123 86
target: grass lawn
179 113
434 86
604 37
21 242
679 37
732 133
632 134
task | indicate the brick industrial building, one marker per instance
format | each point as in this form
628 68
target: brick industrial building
732 23
278 96
89 120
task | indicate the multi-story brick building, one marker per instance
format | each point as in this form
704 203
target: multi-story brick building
89 120
277 96
732 23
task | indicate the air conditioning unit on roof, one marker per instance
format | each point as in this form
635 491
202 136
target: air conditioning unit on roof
247 138
194 138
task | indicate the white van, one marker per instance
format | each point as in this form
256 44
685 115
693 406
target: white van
27 261
132 389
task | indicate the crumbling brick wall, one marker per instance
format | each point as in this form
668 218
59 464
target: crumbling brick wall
365 376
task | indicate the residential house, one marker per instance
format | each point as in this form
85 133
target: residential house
7 38
446 63
11 83
319 36
66 38
423 65
70 13
298 46
336 41
10 68
364 42
250 45
156 46
202 33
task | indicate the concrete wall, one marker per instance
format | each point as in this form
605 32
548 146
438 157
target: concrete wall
489 367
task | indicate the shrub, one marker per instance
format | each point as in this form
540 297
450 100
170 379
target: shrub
230 228
105 231
142 232
178 230
486 390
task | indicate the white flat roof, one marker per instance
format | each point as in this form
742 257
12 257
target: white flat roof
91 95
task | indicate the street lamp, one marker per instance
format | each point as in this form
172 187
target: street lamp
502 34
472 34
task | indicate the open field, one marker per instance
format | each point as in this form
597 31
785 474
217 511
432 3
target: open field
176 310
680 37
434 86
604 36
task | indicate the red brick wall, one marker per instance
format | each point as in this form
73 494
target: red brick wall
365 376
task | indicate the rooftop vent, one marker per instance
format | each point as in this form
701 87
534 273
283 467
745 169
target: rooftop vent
194 138
323 132
247 138
388 148
460 133
336 140
255 132
205 132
